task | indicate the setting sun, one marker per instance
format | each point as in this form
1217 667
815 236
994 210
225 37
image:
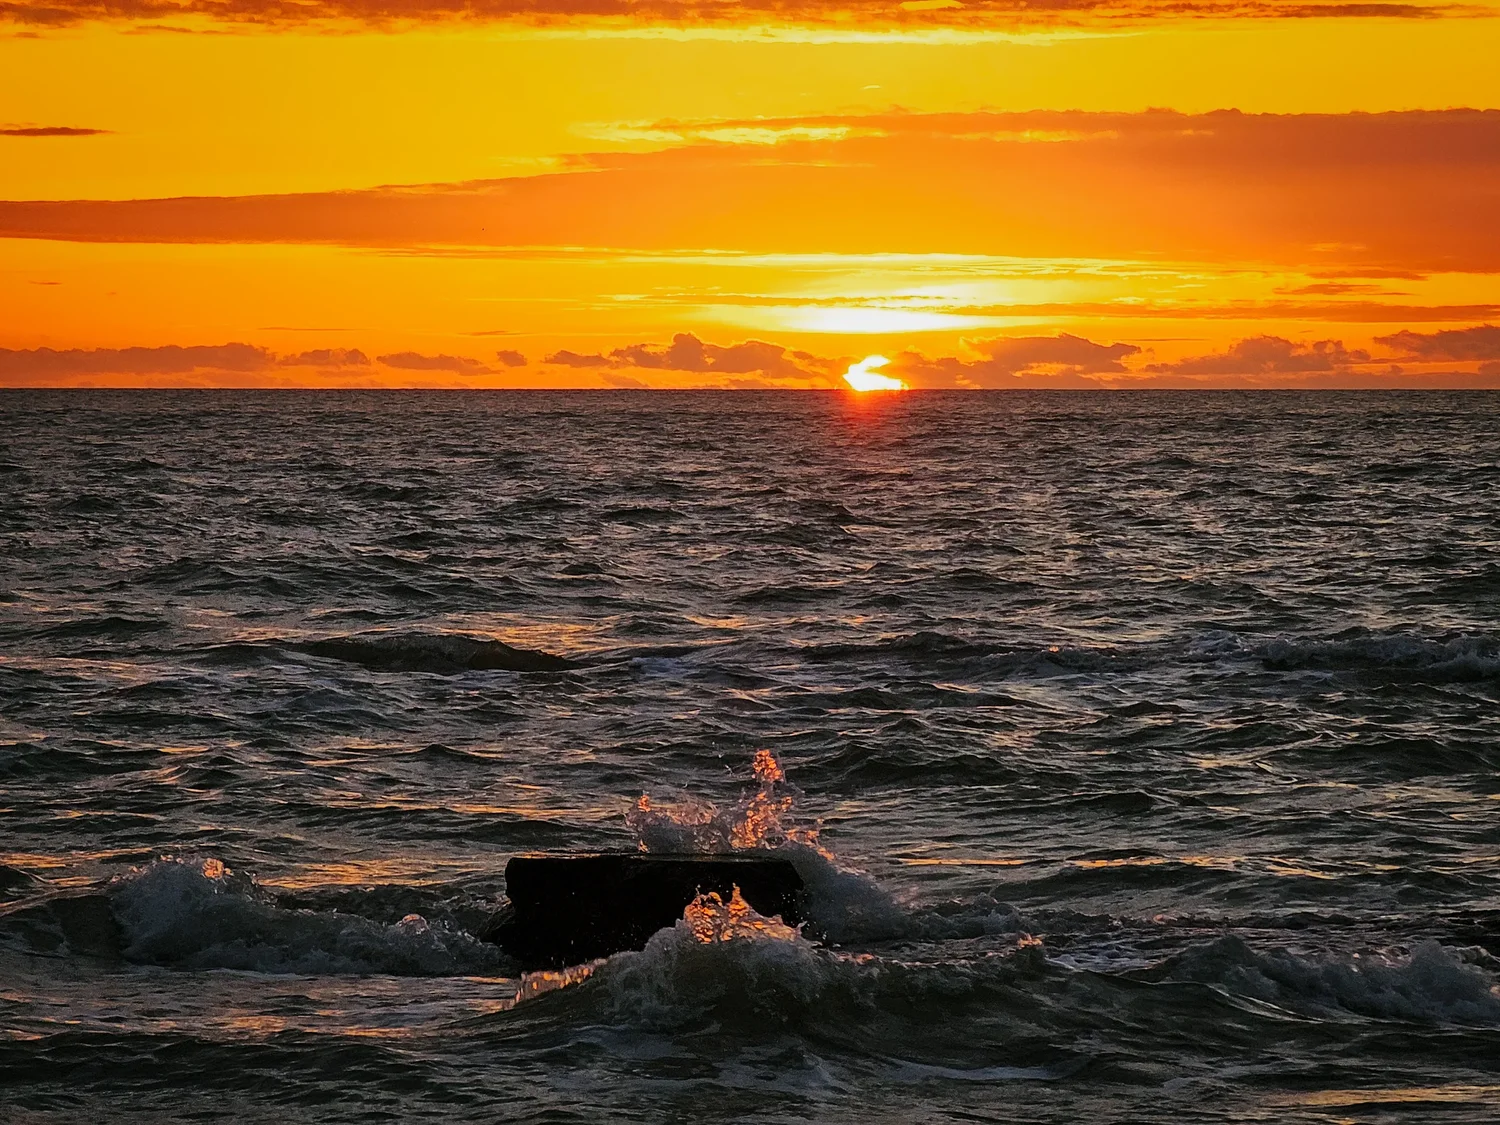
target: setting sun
861 378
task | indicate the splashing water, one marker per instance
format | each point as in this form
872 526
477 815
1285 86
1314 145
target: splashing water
843 904
763 820
706 921
710 919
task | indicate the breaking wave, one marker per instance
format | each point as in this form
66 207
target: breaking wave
724 967
200 914
1404 656
724 964
1432 984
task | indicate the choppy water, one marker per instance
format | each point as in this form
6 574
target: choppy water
1153 739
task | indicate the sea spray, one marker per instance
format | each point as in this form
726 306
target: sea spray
199 913
842 904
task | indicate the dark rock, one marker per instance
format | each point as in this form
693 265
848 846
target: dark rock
565 910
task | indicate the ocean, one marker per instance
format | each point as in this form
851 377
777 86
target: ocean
1138 751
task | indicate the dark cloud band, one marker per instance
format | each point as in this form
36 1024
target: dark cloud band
843 14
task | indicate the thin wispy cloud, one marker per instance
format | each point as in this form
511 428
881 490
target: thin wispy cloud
50 131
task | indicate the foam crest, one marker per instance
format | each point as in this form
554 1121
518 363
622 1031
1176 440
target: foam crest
200 914
1432 984
842 904
1454 659
723 965
725 959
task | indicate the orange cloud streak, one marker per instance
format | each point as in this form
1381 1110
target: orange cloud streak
1413 191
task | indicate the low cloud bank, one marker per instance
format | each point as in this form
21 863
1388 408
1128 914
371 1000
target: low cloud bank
247 364
1446 359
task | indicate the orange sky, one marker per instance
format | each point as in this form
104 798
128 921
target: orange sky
595 193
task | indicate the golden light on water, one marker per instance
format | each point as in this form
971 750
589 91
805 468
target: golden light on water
861 376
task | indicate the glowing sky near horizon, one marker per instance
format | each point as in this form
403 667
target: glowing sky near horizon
537 195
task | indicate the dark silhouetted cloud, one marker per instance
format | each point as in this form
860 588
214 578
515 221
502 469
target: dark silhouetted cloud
688 353
1266 355
1061 361
845 14
511 358
566 358
1458 344
49 131
1010 361
169 360
327 357
416 361
624 382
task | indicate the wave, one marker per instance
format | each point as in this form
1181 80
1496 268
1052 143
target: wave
1388 655
14 882
440 653
726 966
107 627
939 649
200 914
1457 658
931 651
1432 984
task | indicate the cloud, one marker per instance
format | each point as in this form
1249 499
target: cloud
30 363
416 361
687 353
1267 355
1006 362
1402 192
248 363
327 357
1012 361
1458 344
49 131
510 358
976 15
624 382
573 359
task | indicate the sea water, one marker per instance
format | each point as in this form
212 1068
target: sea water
1138 751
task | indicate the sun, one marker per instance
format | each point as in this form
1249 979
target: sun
862 377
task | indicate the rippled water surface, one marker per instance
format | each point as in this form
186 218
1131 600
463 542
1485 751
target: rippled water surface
1140 753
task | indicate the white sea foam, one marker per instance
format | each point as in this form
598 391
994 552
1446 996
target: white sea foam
1460 658
198 913
725 958
724 964
842 904
1432 984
